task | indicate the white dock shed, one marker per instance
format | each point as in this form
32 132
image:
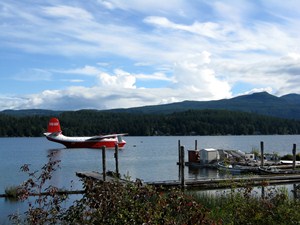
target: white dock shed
209 155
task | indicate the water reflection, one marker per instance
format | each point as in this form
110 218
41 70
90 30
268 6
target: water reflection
202 172
58 179
296 191
263 192
55 151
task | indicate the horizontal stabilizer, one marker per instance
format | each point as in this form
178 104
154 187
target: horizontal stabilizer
52 134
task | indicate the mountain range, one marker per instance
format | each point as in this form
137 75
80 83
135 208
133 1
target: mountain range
287 106
263 103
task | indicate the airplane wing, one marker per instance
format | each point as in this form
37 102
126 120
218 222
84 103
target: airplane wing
99 137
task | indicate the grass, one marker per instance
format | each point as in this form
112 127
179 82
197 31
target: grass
242 206
12 192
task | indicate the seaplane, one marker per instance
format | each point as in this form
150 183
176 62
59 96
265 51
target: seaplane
54 133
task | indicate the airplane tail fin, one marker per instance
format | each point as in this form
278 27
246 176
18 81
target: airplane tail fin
53 126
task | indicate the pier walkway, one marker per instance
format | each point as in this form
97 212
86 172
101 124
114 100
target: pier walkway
207 183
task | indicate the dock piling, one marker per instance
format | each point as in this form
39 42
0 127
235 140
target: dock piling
179 158
179 152
103 163
294 156
263 192
295 187
181 165
262 153
117 158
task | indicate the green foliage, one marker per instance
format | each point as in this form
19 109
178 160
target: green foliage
12 192
47 206
114 203
290 157
260 103
191 122
105 203
240 206
256 152
29 126
132 203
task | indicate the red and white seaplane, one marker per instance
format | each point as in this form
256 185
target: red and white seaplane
54 133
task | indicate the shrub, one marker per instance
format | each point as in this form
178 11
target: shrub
116 203
239 206
130 203
47 207
12 192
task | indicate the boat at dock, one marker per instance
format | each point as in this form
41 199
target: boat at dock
276 170
236 169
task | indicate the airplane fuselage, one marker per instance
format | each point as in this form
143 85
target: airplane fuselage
86 142
54 133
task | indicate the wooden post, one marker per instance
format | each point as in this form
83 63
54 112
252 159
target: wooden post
179 158
196 144
182 166
262 153
103 163
117 159
294 156
295 191
262 192
179 151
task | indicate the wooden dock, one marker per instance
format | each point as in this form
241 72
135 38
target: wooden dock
207 183
216 183
99 176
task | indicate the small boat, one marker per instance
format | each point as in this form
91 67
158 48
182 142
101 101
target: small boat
54 133
234 169
237 169
275 170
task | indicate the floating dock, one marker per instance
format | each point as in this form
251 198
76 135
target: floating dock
109 177
206 183
216 183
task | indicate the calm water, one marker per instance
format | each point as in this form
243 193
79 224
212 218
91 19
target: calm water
148 158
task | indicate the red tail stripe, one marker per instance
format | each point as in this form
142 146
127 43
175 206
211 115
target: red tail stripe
54 125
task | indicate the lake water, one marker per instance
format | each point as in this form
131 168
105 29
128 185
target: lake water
147 158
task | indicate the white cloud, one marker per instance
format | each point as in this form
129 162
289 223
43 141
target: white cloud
146 6
198 56
233 10
195 81
11 102
73 80
65 11
255 90
194 75
154 76
208 29
86 70
277 75
107 4
120 79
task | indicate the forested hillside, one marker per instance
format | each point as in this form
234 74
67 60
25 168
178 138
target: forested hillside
263 103
191 122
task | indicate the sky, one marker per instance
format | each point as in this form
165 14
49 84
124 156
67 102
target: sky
105 54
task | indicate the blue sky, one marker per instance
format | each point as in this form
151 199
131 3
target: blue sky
103 54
